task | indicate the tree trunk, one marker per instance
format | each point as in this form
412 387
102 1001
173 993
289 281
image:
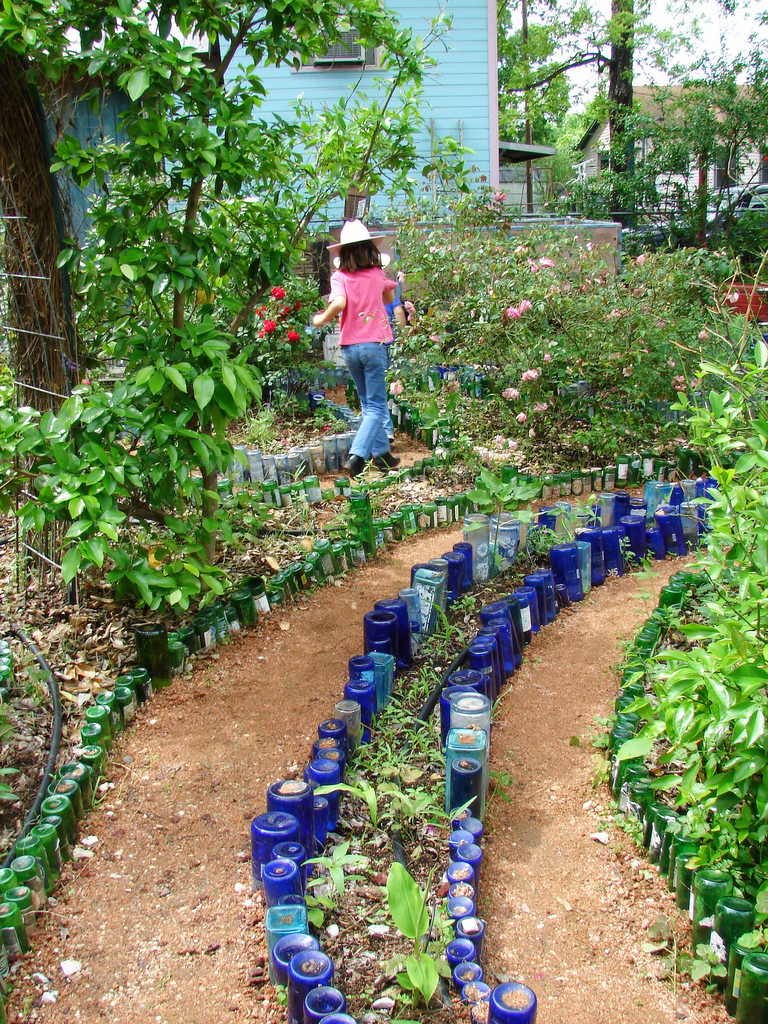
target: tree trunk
42 347
620 94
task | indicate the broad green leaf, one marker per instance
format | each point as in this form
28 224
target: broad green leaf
640 746
423 974
406 903
203 389
70 563
127 271
176 378
137 84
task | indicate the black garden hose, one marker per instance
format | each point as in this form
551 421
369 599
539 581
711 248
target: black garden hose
55 739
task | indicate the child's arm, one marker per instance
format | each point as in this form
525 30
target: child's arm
330 312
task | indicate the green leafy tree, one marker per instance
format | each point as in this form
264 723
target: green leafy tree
200 206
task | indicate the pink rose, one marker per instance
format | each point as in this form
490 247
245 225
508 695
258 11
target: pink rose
545 261
641 259
678 383
435 338
521 417
627 371
533 265
547 358
525 305
732 297
530 375
511 394
703 335
396 388
513 313
499 197
540 407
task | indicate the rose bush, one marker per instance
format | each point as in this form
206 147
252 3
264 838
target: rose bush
546 315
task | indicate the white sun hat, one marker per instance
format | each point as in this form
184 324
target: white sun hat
355 231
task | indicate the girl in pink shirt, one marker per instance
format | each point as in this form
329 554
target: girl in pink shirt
359 290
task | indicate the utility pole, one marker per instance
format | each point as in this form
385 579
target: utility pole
528 126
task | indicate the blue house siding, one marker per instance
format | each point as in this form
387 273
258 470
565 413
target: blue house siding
459 96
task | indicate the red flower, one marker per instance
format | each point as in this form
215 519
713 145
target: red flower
296 307
286 310
261 333
279 293
293 335
269 326
262 309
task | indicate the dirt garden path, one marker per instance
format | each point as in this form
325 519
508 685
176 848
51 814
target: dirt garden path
161 918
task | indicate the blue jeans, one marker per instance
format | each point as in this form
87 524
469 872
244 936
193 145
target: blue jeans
389 427
367 364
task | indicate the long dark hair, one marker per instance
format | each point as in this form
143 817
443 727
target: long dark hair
359 256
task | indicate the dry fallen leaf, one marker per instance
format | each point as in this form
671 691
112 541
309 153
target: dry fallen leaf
564 903
285 625
273 563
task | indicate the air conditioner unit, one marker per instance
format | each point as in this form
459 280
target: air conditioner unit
347 51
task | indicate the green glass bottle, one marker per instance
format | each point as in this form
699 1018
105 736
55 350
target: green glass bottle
15 937
734 917
741 947
152 649
753 990
710 885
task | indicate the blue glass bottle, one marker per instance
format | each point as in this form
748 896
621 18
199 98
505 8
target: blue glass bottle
471 928
468 823
383 677
415 568
333 728
361 667
655 543
513 1003
321 1001
549 593
267 830
459 951
399 609
411 597
456 567
481 660
280 878
462 745
456 839
460 871
283 921
326 772
364 693
536 580
307 970
635 527
504 626
467 677
283 951
467 785
512 601
566 569
466 973
493 634
445 708
294 797
460 907
320 809
294 852
472 854
529 611
465 550
380 632
667 517
614 564
595 539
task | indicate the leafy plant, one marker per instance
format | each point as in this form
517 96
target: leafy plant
6 793
408 907
336 865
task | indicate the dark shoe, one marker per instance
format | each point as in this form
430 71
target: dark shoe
354 465
386 462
